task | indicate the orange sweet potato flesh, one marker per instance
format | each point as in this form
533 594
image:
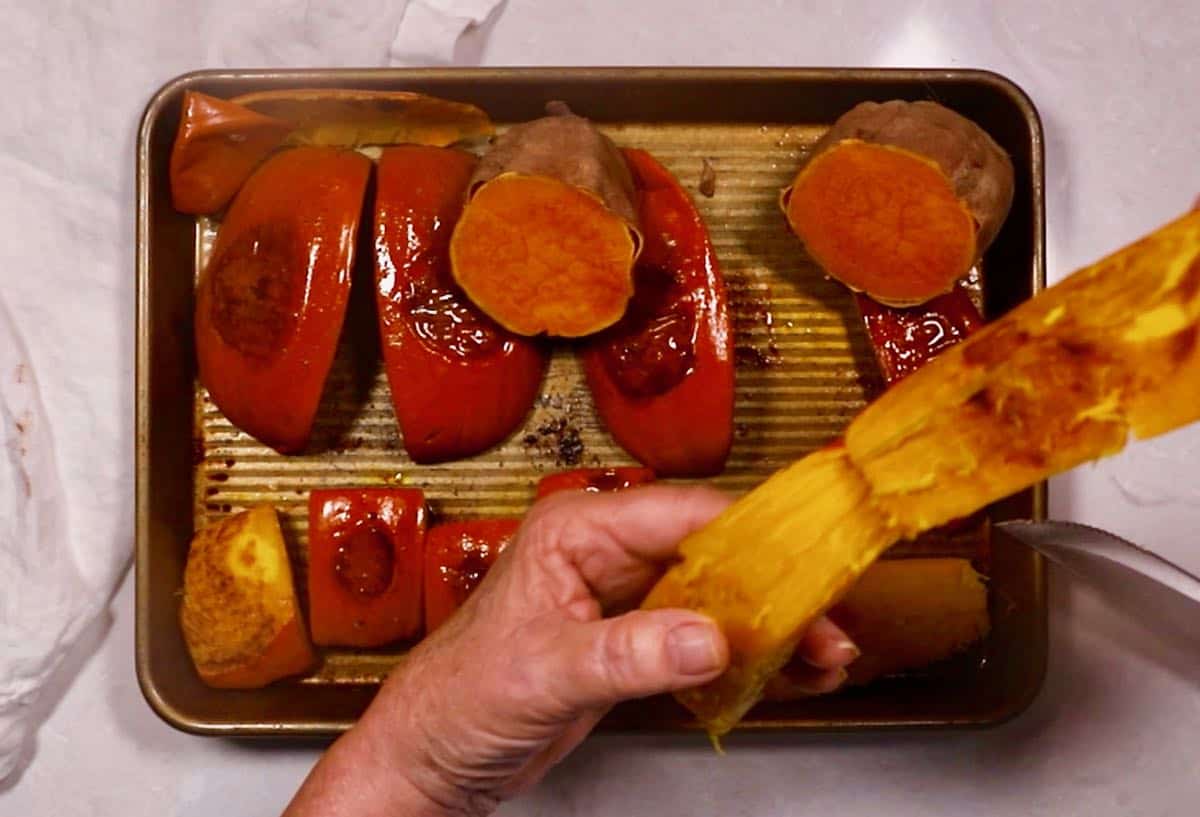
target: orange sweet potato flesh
538 255
239 613
218 145
1062 379
884 221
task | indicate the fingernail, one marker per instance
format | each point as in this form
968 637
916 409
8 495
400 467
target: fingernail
850 648
693 649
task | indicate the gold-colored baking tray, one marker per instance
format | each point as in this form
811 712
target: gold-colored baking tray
804 369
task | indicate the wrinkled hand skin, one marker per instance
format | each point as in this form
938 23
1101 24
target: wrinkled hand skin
516 679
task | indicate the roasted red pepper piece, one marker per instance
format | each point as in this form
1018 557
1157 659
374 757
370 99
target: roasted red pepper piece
460 383
457 557
365 559
593 479
217 147
662 377
905 339
271 301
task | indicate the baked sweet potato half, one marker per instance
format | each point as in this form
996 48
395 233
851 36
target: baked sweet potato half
900 199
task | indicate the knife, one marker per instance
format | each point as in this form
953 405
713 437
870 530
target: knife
1105 561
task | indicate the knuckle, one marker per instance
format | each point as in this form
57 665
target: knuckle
616 660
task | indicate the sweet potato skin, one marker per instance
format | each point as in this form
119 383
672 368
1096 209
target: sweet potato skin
549 235
566 147
979 170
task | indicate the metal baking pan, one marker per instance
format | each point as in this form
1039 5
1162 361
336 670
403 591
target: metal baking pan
804 369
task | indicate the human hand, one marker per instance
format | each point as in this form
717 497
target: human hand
481 709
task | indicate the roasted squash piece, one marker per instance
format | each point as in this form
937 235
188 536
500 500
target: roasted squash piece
217 147
240 617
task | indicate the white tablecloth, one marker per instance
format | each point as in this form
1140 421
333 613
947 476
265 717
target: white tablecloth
1115 729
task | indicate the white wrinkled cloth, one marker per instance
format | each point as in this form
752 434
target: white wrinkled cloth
44 601
77 76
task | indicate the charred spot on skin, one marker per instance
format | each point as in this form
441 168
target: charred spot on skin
652 348
364 562
257 289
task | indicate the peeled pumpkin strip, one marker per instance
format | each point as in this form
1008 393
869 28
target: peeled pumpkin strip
221 142
347 117
1062 379
549 236
903 614
900 199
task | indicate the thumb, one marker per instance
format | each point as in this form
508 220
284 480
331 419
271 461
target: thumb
640 653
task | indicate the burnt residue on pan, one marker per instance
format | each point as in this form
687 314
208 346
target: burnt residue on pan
755 346
556 439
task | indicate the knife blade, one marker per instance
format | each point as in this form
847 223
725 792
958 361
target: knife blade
1100 557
